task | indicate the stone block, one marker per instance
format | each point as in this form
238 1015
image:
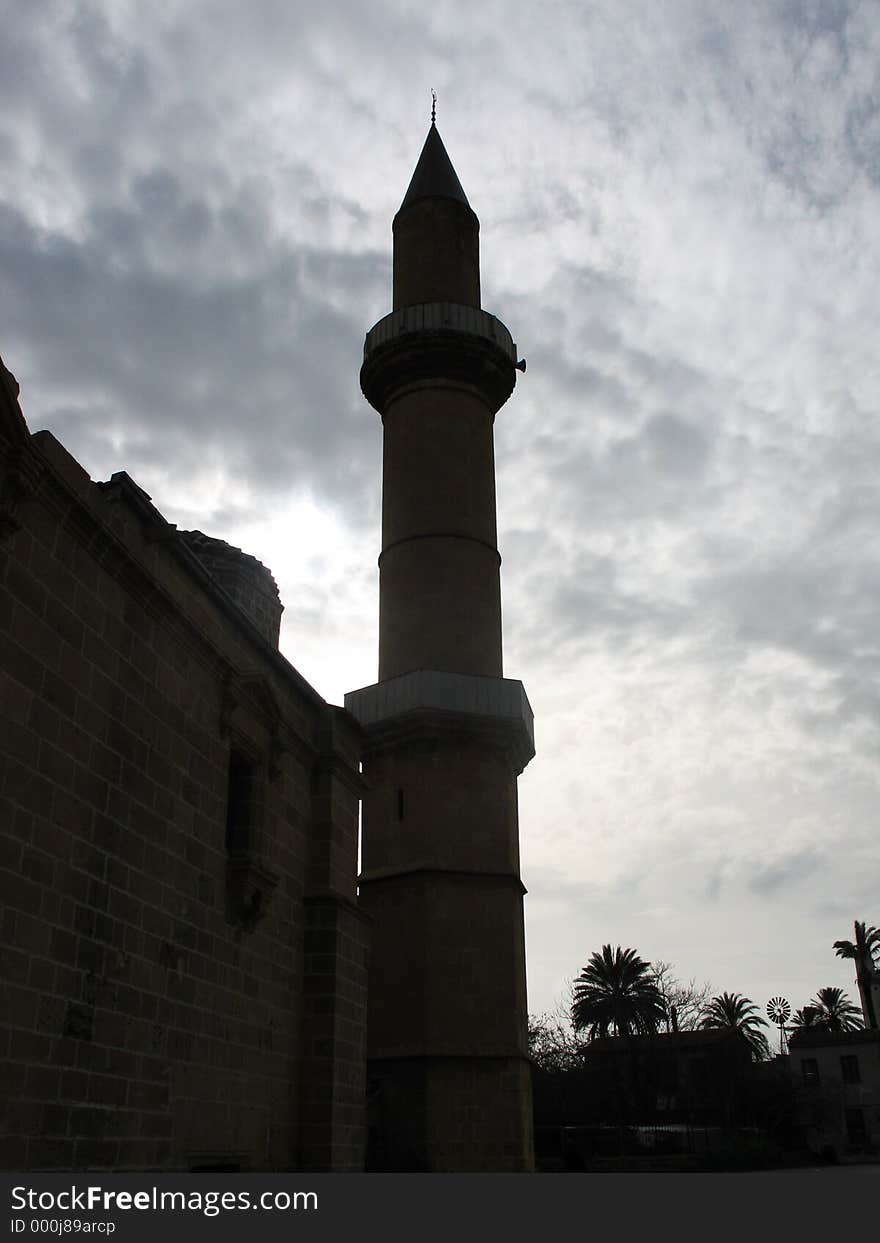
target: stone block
49 1154
26 589
59 693
91 1154
63 621
21 665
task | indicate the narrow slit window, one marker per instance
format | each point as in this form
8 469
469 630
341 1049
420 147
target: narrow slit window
400 802
239 805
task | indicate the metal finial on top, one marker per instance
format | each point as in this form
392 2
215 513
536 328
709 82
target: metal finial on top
433 107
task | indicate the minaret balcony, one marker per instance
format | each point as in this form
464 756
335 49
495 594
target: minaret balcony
428 702
438 342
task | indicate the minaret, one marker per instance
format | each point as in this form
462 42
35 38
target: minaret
447 734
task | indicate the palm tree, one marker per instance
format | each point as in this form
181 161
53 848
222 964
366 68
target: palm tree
836 1011
738 1013
865 950
616 993
807 1017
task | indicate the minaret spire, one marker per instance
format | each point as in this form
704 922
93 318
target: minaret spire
436 235
434 176
433 108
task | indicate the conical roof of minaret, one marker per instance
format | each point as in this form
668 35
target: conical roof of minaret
434 176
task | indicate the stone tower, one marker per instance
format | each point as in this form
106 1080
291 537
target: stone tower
446 733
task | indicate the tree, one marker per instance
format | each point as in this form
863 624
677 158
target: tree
836 1011
616 994
865 950
683 1003
808 1017
553 1046
737 1013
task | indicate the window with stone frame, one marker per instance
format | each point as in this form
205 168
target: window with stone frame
810 1070
856 1131
249 880
849 1068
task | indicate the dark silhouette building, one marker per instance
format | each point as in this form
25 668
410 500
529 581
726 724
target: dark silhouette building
836 1077
687 1076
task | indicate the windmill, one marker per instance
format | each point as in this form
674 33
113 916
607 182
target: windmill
779 1012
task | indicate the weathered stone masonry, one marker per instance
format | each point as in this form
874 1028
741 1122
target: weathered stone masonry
183 963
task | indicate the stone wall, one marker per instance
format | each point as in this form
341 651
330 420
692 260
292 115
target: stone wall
163 968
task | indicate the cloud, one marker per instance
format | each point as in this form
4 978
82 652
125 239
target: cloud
678 209
768 876
240 367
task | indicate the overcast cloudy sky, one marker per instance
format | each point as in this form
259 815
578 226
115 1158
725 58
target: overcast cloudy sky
679 207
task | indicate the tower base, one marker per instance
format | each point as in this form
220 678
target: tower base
449 1115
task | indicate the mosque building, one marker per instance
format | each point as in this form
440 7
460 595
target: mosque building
195 977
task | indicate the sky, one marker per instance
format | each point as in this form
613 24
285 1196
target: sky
679 205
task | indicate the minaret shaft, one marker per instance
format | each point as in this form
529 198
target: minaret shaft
440 593
446 733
